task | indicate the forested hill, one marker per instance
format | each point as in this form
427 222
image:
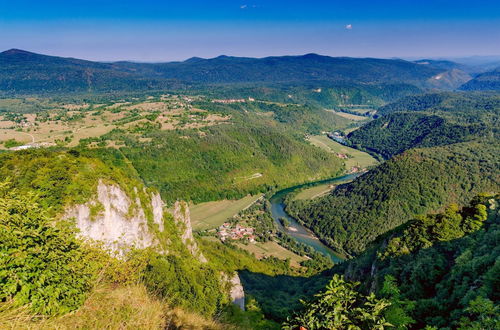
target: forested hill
29 73
224 69
486 81
446 102
430 120
441 270
415 182
25 72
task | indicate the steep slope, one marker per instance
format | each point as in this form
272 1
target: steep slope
112 218
441 270
64 212
417 181
225 161
449 80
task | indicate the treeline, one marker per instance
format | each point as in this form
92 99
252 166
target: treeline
458 103
302 118
412 183
397 132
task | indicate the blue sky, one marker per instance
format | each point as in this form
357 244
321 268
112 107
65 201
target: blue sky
151 30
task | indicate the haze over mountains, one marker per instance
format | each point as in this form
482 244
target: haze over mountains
26 72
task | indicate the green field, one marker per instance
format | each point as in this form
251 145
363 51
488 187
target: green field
213 214
317 191
267 249
314 192
349 116
359 158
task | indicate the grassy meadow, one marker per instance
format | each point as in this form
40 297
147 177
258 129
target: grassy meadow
349 116
213 214
272 249
358 158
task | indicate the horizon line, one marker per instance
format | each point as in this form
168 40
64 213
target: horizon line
405 58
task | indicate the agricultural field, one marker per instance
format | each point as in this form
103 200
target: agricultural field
356 158
211 215
272 249
67 124
362 111
313 192
317 191
349 116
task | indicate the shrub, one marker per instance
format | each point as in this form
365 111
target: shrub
185 283
341 307
41 262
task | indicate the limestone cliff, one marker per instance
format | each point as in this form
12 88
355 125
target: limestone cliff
182 218
118 223
237 293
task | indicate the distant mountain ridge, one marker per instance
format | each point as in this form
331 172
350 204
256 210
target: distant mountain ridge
26 72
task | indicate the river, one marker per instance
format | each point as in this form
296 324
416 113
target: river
299 232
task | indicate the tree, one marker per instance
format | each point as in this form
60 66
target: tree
341 307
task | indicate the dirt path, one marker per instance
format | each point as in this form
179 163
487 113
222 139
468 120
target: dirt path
31 135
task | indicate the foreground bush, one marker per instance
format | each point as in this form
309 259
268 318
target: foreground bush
41 261
340 306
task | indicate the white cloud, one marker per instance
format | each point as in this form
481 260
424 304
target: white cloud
348 26
243 6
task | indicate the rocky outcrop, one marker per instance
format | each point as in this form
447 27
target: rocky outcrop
237 293
182 219
118 223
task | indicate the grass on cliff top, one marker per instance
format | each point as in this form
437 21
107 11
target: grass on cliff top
109 307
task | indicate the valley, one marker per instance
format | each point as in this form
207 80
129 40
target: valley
221 194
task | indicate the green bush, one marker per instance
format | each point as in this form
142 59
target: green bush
186 283
12 143
340 306
41 262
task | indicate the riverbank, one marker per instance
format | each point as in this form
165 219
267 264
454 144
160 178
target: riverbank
300 232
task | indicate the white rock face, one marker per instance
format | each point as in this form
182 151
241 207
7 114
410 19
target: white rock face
237 293
118 226
182 218
157 204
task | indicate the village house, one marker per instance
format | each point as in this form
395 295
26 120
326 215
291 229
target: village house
237 233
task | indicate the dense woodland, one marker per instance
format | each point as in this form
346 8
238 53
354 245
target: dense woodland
429 120
415 182
218 162
483 82
442 269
